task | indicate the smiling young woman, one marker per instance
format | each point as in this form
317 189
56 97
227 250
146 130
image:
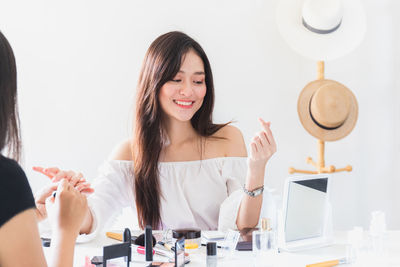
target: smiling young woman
180 169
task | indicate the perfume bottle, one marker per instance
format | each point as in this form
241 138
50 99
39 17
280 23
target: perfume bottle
264 244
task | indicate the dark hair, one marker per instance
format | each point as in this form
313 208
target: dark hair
9 120
161 63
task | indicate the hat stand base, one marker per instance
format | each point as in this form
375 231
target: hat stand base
320 165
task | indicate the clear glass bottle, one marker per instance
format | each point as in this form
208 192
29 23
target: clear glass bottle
264 244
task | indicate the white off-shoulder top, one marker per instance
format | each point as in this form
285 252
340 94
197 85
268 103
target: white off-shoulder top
205 194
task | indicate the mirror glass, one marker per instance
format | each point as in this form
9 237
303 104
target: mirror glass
306 209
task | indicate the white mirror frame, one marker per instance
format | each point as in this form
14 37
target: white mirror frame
308 243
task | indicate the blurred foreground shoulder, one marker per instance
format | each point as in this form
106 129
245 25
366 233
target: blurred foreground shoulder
122 151
15 192
234 145
21 235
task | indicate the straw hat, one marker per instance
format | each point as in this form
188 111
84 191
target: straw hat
321 29
327 109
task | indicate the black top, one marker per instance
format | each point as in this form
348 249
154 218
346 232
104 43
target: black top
15 192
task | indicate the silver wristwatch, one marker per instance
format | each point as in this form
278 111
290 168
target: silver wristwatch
255 192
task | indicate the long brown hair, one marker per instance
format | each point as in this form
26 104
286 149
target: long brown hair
161 63
9 120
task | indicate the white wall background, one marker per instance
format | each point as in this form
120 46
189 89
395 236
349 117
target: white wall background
78 64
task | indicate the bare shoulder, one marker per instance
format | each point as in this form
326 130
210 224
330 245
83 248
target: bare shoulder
22 226
231 141
122 151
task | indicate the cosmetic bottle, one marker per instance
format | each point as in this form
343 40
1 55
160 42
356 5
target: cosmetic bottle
377 230
148 242
355 241
269 232
212 254
261 238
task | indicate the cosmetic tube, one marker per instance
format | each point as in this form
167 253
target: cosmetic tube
148 242
212 254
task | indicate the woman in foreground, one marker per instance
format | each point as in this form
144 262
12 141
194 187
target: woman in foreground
20 243
180 169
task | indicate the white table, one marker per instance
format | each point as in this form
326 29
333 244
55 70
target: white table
246 258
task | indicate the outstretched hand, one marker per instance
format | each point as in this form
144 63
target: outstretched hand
75 179
49 172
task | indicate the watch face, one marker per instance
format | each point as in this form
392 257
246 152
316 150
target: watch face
255 192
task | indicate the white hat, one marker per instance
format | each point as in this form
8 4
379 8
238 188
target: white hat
321 29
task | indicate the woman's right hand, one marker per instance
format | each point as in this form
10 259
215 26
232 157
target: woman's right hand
262 147
40 200
67 209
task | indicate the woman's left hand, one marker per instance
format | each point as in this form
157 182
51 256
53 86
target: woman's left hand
75 179
262 147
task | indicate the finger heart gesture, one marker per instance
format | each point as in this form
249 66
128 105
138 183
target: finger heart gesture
262 147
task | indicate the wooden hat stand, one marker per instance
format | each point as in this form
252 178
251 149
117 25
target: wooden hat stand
320 165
